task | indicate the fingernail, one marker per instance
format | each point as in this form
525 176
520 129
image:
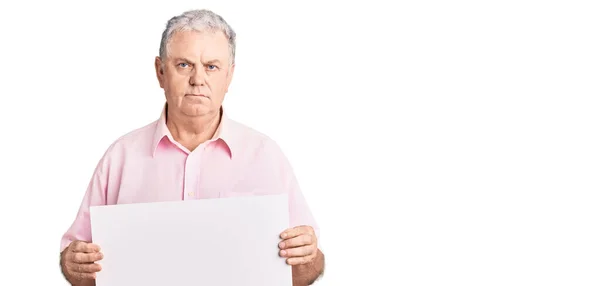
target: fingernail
284 235
282 252
281 245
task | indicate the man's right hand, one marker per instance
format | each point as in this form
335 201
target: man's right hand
78 262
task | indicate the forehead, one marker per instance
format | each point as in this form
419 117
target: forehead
199 45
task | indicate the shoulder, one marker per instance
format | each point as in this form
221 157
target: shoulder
138 135
262 156
262 152
250 140
135 141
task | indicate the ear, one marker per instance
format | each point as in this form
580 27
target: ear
159 71
229 77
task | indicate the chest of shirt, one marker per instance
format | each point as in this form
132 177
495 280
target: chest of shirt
190 177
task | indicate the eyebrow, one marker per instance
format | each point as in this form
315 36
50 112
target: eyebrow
215 61
183 60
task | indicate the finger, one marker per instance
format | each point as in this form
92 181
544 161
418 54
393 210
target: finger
84 276
297 251
86 267
82 246
296 231
299 260
297 241
80 257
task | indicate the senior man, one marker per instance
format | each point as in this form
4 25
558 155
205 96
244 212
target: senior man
193 151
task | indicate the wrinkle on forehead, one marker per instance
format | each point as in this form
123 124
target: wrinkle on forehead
203 45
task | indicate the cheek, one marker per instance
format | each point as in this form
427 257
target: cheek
176 84
218 84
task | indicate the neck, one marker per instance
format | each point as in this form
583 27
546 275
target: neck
192 131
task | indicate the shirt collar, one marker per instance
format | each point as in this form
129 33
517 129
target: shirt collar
225 132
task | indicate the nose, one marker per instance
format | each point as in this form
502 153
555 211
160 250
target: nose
198 77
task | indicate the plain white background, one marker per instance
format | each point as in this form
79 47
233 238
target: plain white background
437 142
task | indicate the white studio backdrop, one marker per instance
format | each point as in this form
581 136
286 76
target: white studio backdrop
437 142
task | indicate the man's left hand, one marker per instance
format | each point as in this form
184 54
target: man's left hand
298 245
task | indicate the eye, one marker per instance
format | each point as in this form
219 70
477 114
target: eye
183 65
212 67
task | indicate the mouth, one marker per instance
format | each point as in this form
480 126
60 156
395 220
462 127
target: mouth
195 95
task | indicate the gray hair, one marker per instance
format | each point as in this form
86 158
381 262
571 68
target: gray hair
198 20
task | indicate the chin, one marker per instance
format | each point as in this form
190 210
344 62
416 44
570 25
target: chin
197 110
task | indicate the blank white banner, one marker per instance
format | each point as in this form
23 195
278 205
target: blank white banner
228 241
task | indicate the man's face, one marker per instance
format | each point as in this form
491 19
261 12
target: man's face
196 72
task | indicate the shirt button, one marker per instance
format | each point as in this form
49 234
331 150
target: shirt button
190 194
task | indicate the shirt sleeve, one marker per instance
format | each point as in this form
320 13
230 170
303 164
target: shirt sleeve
95 195
299 210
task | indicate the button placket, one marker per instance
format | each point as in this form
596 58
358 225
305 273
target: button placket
192 173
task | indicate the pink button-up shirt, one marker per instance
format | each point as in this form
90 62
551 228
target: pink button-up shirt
148 165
